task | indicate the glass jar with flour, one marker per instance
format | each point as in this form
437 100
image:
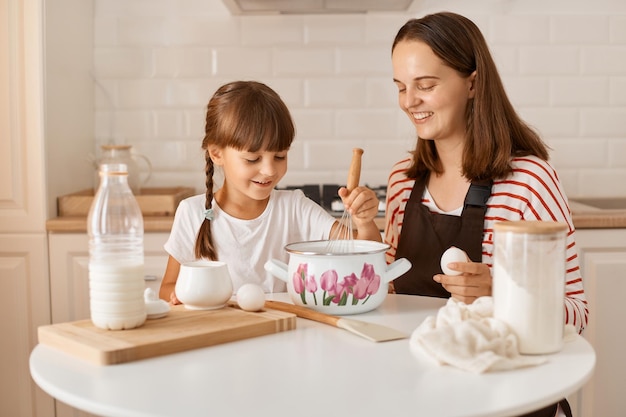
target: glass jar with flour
529 282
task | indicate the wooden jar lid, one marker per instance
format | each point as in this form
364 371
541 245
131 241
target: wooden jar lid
535 227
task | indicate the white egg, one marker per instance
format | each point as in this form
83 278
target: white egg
250 297
452 254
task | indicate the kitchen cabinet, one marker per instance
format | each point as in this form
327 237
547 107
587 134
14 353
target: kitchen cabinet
603 260
69 274
23 250
36 164
25 306
46 113
69 281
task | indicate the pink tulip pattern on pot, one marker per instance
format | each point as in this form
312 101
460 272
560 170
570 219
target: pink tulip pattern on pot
351 289
337 283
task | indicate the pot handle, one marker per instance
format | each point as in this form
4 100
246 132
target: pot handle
397 268
277 268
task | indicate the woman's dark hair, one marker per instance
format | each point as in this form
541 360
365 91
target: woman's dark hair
244 115
494 130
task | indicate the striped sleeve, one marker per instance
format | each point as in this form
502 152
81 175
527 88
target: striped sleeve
398 191
534 192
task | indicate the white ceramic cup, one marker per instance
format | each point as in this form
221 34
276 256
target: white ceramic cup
204 285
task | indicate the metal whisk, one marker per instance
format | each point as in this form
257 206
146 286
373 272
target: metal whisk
342 241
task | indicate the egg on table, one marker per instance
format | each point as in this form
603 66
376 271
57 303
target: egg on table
250 297
453 254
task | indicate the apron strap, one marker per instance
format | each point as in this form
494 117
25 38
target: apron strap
425 236
478 194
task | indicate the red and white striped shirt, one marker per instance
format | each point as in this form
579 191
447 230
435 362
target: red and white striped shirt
531 192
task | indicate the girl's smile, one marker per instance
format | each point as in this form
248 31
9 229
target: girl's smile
264 184
250 178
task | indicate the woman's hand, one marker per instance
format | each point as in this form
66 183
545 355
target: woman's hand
474 281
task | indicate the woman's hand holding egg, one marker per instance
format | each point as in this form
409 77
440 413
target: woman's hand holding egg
468 281
453 254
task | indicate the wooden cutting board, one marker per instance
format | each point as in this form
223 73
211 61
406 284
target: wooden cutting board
179 331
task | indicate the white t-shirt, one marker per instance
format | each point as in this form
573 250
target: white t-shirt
245 245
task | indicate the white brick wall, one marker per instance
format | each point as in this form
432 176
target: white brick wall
563 63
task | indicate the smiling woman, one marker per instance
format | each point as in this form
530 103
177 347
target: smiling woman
475 163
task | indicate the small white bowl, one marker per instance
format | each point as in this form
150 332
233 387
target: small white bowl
204 285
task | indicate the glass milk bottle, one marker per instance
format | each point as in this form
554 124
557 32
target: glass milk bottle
529 282
116 264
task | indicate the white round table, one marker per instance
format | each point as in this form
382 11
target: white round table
314 370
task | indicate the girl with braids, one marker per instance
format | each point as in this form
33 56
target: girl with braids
475 163
247 221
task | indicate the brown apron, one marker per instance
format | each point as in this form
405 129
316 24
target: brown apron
424 238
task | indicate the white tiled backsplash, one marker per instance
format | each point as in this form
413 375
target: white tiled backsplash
158 62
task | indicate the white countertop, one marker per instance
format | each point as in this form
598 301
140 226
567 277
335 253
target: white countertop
314 370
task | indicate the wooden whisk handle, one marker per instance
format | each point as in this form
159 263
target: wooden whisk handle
354 174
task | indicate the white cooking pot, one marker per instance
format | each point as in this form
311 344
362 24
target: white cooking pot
337 282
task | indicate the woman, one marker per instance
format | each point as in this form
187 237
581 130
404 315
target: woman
476 162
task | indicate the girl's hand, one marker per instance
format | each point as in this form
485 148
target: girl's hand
475 281
173 299
361 203
168 283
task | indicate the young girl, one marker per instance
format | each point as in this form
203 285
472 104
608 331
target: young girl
247 222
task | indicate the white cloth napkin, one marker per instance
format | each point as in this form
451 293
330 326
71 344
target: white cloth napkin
467 336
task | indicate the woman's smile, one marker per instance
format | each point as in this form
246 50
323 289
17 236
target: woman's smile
422 116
